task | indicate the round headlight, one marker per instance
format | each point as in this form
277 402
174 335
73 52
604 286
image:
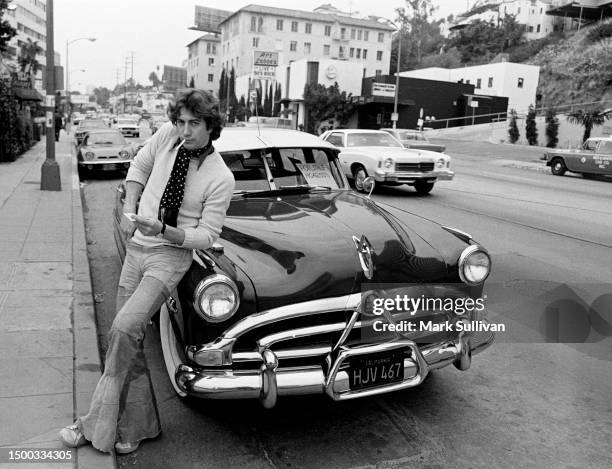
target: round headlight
124 154
388 163
216 298
474 265
89 155
441 163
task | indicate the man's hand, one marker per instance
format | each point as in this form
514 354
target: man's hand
127 227
148 226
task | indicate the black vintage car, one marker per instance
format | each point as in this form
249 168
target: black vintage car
297 295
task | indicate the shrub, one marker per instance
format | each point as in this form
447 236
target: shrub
10 146
513 131
599 32
531 131
552 129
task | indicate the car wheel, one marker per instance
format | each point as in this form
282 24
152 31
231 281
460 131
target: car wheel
359 175
557 167
423 187
171 348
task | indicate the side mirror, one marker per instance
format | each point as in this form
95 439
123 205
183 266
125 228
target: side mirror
368 185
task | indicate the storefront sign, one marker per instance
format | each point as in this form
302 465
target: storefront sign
385 90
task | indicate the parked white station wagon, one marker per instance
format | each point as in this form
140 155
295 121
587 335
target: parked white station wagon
376 153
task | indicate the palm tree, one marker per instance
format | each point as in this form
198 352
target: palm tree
28 61
588 119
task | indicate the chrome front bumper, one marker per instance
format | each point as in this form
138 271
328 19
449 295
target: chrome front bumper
409 177
331 378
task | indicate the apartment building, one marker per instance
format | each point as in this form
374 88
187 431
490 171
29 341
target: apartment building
30 21
323 34
204 62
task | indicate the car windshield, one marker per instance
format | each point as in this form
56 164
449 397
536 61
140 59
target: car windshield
290 168
371 139
91 124
105 138
407 135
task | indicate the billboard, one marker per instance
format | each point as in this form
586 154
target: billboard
264 64
209 19
383 89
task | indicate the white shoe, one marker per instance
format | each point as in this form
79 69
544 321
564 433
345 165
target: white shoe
72 436
126 448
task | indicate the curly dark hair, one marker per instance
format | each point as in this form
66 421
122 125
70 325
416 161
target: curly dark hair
201 104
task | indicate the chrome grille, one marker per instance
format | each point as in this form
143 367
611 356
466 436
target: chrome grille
414 167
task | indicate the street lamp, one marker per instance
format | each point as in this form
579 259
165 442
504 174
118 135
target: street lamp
397 76
68 42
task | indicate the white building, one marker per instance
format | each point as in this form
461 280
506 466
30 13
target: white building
531 13
518 82
296 35
30 21
204 62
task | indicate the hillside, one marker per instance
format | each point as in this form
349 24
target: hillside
578 68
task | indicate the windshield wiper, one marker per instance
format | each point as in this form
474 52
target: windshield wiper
306 187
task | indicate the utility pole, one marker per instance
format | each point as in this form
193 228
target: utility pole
132 79
125 84
50 171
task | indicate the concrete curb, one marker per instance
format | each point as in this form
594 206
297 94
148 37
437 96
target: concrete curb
87 364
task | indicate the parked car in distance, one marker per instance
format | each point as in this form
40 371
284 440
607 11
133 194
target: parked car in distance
275 306
85 126
275 122
378 154
128 127
594 158
415 139
104 149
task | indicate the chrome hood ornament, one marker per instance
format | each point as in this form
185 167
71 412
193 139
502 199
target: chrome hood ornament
364 251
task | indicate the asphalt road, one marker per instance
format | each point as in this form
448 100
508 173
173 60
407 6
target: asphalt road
527 401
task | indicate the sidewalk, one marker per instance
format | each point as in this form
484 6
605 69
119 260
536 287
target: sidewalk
49 361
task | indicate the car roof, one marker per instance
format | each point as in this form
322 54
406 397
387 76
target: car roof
104 131
243 138
353 131
603 139
416 131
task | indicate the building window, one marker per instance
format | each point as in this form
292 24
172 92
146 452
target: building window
214 49
518 12
294 26
308 28
327 30
211 61
352 52
490 82
359 33
378 73
467 82
358 53
530 29
293 46
210 77
255 42
365 54
279 25
341 52
253 24
366 35
260 25
478 82
343 34
520 83
307 47
353 34
538 29
381 37
326 49
379 55
208 47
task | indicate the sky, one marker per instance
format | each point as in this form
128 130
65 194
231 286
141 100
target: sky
156 32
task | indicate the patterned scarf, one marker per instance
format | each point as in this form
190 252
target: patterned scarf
175 188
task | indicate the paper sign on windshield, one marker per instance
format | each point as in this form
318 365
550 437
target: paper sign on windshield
317 174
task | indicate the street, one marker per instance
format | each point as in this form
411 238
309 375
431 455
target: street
530 400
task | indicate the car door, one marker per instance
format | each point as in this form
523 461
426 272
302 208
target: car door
582 161
602 158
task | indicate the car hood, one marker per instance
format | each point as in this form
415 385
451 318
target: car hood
106 150
300 247
400 154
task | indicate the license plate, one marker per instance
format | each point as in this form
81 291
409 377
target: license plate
108 167
376 370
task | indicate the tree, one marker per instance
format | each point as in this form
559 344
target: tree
419 34
223 86
588 119
324 103
448 59
102 95
28 58
191 83
552 128
513 131
7 32
154 79
277 100
531 131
